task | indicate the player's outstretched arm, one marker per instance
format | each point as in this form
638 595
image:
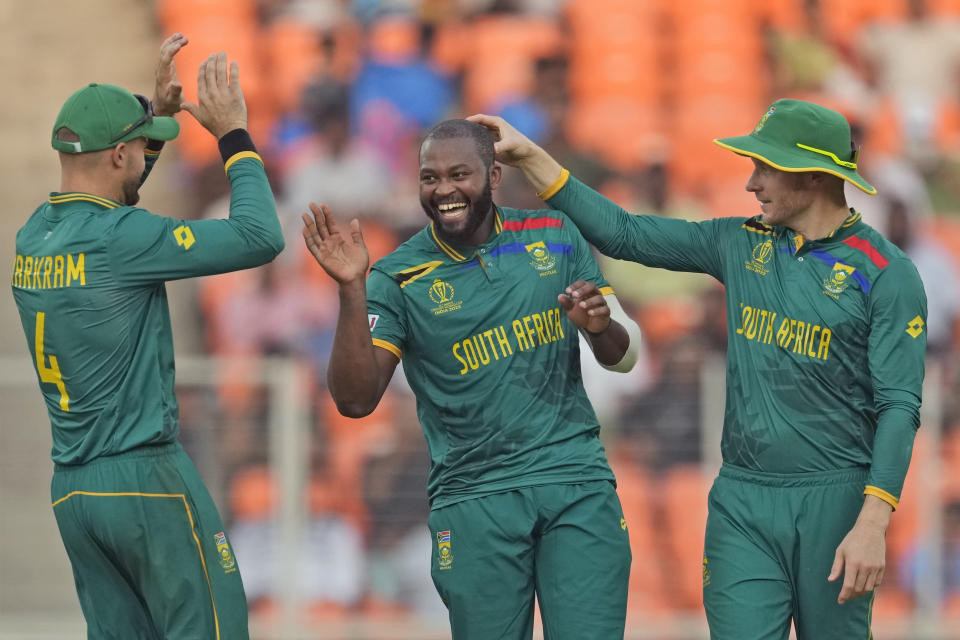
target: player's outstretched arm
613 336
358 372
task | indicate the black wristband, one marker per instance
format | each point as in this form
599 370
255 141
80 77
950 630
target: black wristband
234 142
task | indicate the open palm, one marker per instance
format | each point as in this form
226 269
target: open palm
345 259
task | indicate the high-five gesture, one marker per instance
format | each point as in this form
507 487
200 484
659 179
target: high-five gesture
167 92
346 260
220 106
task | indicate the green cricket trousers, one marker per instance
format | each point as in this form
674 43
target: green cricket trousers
150 557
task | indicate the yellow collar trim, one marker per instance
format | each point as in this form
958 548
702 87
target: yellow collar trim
453 253
84 197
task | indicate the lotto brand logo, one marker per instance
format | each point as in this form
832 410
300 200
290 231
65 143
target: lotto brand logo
372 319
184 237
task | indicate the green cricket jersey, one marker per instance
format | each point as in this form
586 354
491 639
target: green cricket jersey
88 280
491 356
826 337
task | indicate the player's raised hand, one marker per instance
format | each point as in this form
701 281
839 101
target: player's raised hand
220 105
510 146
585 306
345 259
167 92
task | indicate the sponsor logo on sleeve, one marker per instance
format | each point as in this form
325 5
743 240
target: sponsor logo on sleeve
915 327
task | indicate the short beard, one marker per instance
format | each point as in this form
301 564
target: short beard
131 192
479 209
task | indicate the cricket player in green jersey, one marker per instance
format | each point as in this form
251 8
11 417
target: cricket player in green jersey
149 554
824 372
483 306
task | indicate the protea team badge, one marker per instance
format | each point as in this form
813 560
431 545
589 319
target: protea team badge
444 554
223 549
838 281
543 260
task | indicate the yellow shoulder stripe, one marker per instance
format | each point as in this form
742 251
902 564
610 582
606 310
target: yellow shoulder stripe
84 197
241 156
606 291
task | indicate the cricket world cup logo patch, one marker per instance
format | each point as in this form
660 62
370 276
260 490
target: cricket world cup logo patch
441 293
223 550
760 257
444 553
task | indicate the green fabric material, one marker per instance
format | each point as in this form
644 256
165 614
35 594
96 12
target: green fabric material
770 544
491 356
568 543
104 115
137 558
94 271
795 135
826 344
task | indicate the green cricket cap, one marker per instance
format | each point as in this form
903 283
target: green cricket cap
795 135
104 115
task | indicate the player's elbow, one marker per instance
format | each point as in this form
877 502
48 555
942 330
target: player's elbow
354 409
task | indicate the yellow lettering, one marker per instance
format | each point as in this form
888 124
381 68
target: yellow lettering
538 325
505 347
481 350
521 336
530 332
792 335
27 269
747 312
813 338
37 271
782 332
488 334
761 324
559 318
47 270
18 271
471 354
798 343
770 319
456 355
76 271
751 328
547 322
58 271
824 351
49 374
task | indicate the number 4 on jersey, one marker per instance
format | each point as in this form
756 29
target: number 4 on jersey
49 374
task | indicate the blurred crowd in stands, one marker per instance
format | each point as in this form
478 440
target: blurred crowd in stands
627 94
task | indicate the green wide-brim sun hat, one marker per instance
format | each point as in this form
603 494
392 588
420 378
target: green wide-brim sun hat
796 136
104 115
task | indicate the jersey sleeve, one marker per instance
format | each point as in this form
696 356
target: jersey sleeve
585 264
145 248
385 312
896 351
677 245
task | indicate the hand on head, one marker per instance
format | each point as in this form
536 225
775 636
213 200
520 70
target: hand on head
510 146
220 105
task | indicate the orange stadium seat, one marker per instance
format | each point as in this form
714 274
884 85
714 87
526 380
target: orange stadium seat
176 15
622 131
844 19
253 493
